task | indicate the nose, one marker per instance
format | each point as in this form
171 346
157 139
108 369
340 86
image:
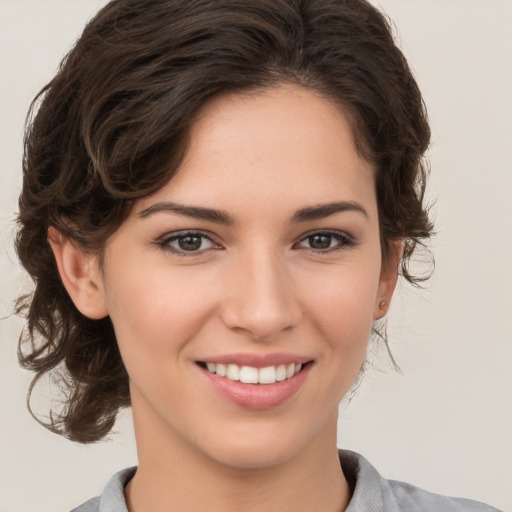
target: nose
260 301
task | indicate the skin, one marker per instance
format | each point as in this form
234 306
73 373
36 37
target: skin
258 285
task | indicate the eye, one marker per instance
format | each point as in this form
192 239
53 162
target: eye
326 241
187 242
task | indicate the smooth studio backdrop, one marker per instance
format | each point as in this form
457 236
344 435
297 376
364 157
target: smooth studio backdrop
445 423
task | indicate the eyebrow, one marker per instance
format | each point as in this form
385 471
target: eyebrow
194 212
322 211
319 211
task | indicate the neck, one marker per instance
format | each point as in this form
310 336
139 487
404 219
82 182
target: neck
172 475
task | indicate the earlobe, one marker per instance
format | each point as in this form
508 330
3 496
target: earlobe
80 275
388 280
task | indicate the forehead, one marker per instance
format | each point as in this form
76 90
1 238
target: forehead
270 148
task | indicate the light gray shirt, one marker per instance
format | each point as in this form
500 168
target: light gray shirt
371 493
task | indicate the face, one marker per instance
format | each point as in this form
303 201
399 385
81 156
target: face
260 261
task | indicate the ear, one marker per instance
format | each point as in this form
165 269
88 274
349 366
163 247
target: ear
387 280
80 275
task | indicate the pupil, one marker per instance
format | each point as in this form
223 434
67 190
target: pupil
320 241
190 243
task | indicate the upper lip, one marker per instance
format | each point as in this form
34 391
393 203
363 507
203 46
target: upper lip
257 360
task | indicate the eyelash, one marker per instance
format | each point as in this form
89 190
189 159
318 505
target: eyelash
164 242
345 242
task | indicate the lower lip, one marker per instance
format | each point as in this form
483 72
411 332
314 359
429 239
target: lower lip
257 396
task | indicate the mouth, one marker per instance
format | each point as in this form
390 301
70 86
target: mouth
259 387
253 375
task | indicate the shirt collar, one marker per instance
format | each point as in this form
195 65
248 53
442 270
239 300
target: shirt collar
364 479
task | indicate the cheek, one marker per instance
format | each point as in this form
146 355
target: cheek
342 307
343 301
156 311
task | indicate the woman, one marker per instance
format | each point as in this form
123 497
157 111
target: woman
217 198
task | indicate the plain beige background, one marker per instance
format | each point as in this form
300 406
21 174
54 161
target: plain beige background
444 424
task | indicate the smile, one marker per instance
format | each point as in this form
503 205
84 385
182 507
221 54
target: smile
253 375
256 382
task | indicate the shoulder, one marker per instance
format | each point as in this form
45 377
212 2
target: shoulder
112 497
403 496
92 505
372 493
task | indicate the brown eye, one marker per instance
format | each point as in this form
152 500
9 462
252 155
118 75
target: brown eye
190 242
326 241
320 241
187 243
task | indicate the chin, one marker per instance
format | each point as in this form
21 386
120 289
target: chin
254 457
262 449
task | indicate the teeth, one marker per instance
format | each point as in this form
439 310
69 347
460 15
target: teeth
252 375
267 375
281 373
249 375
233 372
219 369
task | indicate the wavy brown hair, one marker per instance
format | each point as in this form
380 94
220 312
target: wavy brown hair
111 127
